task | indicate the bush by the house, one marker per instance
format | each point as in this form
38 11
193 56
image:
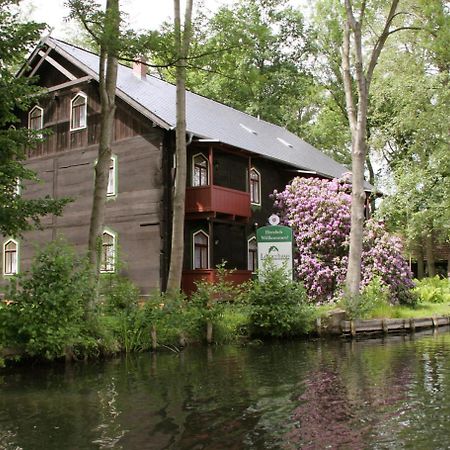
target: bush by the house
45 309
278 307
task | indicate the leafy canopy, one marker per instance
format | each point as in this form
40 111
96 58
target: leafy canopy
17 94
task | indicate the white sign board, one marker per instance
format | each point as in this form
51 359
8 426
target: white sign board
275 242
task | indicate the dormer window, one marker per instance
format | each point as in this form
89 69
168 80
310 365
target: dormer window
36 118
10 257
200 171
255 187
78 112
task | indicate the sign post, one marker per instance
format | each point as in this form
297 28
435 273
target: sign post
275 242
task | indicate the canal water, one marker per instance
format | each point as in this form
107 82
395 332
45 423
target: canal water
391 393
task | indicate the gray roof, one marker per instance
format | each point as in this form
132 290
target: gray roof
208 119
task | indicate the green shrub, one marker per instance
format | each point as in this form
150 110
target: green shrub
432 290
46 311
278 307
171 317
372 301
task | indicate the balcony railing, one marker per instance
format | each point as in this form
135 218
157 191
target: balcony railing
217 199
190 277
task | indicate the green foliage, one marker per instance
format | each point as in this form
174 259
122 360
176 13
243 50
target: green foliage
46 306
433 290
278 307
374 298
17 95
170 315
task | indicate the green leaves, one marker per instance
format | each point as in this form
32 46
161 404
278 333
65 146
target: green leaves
17 214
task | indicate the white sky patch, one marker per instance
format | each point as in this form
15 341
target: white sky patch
142 14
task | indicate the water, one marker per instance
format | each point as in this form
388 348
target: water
375 394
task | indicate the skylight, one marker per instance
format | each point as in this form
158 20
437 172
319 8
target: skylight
285 143
248 129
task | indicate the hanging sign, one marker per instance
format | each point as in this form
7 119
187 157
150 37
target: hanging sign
275 242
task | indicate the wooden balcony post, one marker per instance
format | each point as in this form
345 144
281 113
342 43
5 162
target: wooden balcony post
211 164
248 172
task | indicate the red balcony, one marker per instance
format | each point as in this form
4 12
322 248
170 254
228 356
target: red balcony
217 200
190 277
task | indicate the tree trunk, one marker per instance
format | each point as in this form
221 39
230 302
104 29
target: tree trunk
209 332
182 40
107 89
420 265
357 116
154 338
371 203
429 250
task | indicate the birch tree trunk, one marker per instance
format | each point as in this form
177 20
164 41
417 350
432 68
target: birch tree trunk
107 87
429 251
356 75
182 40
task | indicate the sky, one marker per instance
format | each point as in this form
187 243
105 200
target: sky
142 14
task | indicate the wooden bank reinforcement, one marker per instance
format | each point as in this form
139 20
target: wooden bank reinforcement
338 326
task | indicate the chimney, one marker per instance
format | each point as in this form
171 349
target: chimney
139 69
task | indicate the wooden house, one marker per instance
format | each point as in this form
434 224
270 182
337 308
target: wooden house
235 161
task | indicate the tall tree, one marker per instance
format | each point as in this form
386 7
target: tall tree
182 40
251 56
17 94
104 28
359 59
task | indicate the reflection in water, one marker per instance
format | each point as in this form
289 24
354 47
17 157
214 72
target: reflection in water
374 394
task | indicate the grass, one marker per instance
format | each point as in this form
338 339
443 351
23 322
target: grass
405 312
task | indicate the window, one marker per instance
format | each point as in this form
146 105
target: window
201 250
112 175
78 109
199 170
10 257
108 256
36 118
255 187
252 263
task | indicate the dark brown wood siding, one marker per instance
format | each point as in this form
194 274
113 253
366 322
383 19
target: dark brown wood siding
65 163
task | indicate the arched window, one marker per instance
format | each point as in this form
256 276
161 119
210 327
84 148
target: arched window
252 260
200 174
201 250
255 187
36 118
78 112
10 257
112 177
108 256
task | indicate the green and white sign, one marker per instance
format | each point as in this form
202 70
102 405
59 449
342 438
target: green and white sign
275 242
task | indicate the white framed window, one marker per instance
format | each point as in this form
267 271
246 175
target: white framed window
200 170
78 112
255 187
200 250
36 118
252 254
108 254
112 177
10 257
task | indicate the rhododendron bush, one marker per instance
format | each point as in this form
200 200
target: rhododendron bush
319 213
